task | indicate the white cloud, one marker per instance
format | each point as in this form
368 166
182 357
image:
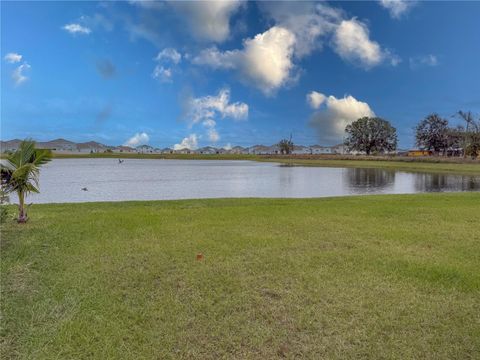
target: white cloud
309 22
137 139
190 142
169 54
315 99
13 58
352 42
18 75
208 20
77 29
204 111
217 59
397 8
265 60
331 120
206 108
421 61
162 74
228 146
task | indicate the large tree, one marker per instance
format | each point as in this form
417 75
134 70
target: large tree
432 133
371 135
21 173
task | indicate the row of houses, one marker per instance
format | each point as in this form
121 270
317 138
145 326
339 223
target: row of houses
66 146
252 150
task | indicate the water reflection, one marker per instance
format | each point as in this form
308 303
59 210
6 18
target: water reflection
363 180
446 182
62 180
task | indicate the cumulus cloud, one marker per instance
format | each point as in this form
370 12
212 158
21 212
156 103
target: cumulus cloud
315 99
137 139
18 75
330 121
162 71
77 29
397 8
162 74
208 107
190 142
204 110
352 42
265 61
268 60
309 22
169 54
422 61
13 58
208 20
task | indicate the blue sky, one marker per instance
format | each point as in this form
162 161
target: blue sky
232 73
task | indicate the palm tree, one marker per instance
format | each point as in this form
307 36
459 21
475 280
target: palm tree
21 172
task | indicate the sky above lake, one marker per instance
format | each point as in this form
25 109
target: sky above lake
190 74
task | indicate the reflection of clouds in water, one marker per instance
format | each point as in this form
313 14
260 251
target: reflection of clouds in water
446 182
62 180
285 176
365 180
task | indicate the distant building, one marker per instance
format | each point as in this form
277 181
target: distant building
301 150
317 150
145 149
91 147
414 153
207 150
124 149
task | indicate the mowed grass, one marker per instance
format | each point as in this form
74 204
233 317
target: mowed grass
381 277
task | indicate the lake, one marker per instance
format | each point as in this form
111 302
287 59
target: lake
62 180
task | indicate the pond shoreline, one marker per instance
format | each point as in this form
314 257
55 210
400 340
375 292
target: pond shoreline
419 164
106 179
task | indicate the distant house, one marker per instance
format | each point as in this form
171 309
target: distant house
91 147
207 150
166 151
145 149
301 150
123 149
415 152
317 150
183 151
238 150
58 145
339 149
10 146
259 150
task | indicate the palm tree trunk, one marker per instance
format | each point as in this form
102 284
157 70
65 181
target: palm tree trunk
22 214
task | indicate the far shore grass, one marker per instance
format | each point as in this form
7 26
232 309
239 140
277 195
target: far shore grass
368 277
411 164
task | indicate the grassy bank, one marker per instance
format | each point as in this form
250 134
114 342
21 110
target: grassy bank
424 164
358 277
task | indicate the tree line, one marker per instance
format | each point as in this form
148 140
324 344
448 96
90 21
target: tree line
435 134
374 135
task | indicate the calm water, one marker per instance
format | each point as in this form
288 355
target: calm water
62 180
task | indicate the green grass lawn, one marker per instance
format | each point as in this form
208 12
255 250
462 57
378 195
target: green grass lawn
383 277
